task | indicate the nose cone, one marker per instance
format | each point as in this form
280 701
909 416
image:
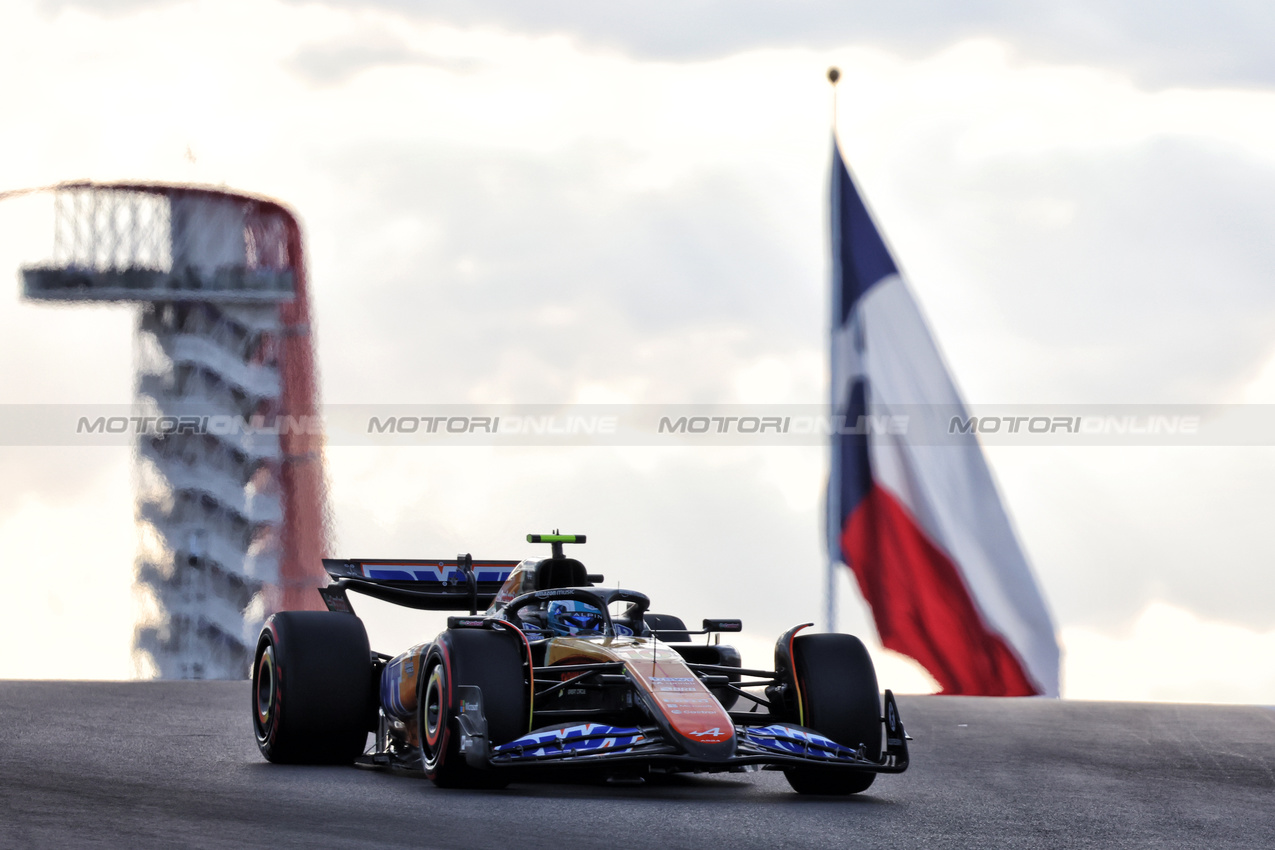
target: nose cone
715 743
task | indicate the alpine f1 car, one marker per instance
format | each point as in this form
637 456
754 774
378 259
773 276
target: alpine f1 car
547 678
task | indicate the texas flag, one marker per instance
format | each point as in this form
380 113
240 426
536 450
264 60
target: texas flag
919 521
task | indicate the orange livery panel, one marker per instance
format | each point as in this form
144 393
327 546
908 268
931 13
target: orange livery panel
676 695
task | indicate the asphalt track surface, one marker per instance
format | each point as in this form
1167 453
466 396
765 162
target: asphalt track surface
172 764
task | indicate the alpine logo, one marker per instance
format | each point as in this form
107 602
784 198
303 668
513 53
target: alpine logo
715 734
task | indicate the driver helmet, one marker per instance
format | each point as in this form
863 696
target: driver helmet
572 618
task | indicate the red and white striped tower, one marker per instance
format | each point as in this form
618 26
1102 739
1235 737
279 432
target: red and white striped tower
232 514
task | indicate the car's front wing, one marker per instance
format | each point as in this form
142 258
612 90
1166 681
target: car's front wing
588 743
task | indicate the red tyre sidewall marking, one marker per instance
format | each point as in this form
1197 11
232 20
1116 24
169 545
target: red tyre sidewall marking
263 719
433 739
444 710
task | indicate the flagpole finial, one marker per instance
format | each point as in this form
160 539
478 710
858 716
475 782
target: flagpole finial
834 74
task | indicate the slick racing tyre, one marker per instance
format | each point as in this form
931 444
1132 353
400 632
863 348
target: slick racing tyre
839 698
312 688
491 660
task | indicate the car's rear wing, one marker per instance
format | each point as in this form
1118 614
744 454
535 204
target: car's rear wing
462 584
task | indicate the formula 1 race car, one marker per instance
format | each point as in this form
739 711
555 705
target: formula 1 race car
548 678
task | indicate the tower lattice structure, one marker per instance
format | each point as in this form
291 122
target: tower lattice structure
230 479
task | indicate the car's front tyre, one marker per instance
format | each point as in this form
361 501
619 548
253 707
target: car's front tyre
838 698
494 661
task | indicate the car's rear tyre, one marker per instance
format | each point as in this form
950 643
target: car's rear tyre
491 660
839 698
312 688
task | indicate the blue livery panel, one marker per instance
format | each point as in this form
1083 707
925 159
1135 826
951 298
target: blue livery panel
443 572
581 739
796 741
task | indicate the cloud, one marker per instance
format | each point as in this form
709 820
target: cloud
1170 655
1159 44
1158 243
1112 530
665 284
335 61
67 570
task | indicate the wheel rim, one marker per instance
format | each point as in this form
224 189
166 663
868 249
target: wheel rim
267 690
433 708
433 716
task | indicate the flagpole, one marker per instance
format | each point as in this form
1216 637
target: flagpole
834 75
830 580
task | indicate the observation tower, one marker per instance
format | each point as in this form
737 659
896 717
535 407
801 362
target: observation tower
231 493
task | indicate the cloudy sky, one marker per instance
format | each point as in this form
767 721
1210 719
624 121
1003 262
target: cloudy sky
564 202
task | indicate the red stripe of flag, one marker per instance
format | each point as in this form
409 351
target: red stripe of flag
922 607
